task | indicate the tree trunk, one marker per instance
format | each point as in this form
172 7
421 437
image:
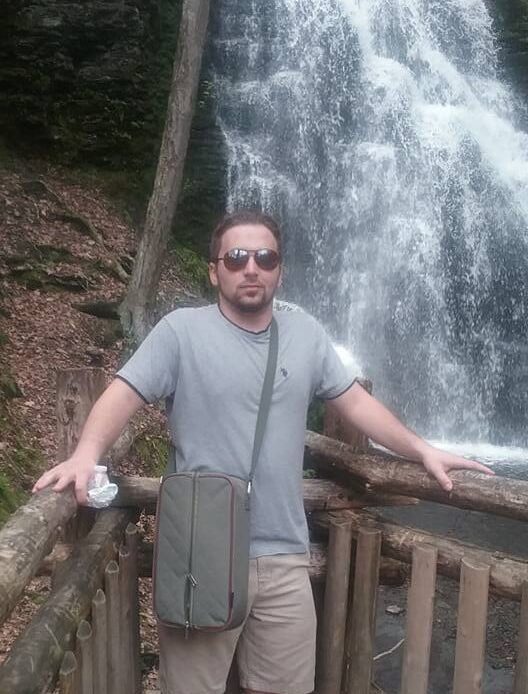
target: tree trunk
162 205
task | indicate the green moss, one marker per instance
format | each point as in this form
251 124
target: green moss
8 386
153 451
20 462
51 254
315 419
21 465
9 498
192 267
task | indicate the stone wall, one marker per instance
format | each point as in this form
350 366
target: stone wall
75 78
86 83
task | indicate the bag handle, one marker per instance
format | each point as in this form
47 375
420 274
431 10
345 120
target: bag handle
265 397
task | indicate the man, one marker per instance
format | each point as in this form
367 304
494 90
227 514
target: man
209 363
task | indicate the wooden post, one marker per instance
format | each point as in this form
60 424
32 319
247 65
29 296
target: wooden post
126 617
77 391
521 668
471 628
335 428
132 544
335 607
115 676
85 657
360 642
68 673
420 601
100 660
51 632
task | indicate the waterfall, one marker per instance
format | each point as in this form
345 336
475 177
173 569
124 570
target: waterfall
381 136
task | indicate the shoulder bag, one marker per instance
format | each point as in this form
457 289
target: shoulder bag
201 555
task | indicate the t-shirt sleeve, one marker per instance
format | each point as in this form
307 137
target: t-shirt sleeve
332 377
152 371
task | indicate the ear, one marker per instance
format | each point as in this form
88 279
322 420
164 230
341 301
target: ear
213 275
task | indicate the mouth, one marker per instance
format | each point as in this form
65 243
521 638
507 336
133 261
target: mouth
250 286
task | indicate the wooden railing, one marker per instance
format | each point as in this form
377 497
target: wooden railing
86 636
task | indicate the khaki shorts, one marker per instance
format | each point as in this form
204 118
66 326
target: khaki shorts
275 646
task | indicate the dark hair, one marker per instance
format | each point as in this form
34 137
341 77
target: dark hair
235 219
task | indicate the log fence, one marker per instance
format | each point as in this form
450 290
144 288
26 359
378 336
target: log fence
85 638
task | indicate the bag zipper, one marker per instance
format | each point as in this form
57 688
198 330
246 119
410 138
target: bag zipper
191 580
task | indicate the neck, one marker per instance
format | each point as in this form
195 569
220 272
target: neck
255 322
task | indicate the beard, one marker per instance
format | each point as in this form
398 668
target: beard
249 304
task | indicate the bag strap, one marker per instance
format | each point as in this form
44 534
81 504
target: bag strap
265 397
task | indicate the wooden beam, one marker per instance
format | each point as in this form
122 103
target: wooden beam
319 495
471 628
335 608
472 490
77 391
113 605
419 628
507 572
360 639
99 625
52 630
392 572
26 538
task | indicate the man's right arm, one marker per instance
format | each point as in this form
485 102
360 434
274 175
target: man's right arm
106 421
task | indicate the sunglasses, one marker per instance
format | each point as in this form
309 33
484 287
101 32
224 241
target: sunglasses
238 258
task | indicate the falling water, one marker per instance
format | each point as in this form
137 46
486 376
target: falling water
380 135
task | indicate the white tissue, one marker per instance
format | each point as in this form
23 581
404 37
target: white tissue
101 491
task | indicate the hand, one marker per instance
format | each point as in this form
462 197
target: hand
71 471
438 463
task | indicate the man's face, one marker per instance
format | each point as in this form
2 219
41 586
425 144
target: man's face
251 288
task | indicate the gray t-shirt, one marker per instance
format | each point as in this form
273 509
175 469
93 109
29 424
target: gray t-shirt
211 372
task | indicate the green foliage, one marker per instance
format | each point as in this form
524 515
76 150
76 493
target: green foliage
315 420
192 268
9 498
153 451
20 463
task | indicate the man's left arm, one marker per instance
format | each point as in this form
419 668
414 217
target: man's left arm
364 412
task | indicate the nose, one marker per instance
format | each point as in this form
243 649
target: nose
251 267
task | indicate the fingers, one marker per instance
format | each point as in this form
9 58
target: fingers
61 476
45 480
462 463
81 488
442 479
